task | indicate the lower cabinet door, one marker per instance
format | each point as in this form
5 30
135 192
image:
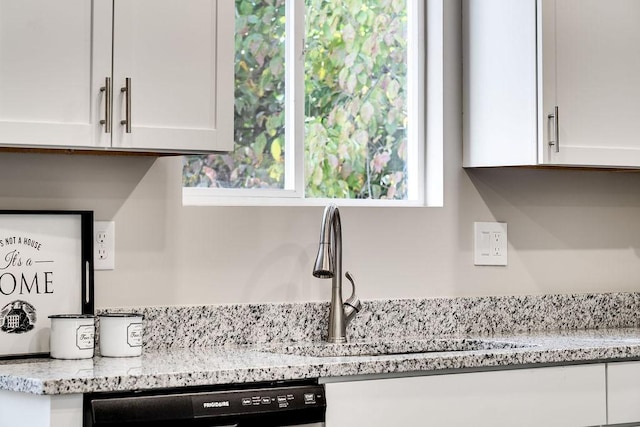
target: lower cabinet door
555 396
623 392
33 410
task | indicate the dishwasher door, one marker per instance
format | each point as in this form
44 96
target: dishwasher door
276 405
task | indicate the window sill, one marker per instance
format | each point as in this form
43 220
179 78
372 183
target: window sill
203 197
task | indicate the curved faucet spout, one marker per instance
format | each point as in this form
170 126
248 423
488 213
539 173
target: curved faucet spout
325 264
328 265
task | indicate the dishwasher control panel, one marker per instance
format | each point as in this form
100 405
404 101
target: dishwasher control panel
279 404
257 400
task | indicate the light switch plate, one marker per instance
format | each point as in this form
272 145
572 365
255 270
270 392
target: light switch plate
490 247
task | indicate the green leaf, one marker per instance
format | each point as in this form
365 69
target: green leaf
259 145
393 88
366 112
276 150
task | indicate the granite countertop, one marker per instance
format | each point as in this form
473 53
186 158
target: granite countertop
178 367
243 343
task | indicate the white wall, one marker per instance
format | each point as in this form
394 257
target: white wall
569 231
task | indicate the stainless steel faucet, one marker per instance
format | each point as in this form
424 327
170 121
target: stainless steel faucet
329 266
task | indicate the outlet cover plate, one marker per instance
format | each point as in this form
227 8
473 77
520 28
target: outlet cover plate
104 244
490 246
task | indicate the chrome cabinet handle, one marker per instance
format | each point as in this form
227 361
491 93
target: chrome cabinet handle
107 105
555 142
127 105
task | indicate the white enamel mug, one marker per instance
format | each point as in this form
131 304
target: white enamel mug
72 336
120 334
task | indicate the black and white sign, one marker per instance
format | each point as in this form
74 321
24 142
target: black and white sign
46 268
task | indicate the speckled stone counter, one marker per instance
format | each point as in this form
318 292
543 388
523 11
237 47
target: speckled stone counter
223 365
215 325
188 346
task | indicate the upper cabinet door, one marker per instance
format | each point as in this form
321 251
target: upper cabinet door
500 82
522 59
50 74
179 59
594 49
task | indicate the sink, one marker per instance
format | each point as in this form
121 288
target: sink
385 348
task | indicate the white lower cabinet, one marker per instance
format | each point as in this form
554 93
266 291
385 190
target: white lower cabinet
554 396
623 392
563 396
40 411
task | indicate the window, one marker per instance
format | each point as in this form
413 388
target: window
329 105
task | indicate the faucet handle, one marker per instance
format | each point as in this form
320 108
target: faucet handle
353 304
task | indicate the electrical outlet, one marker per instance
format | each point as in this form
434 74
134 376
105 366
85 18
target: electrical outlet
495 244
104 245
490 243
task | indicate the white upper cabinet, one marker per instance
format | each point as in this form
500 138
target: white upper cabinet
525 60
63 65
49 89
179 58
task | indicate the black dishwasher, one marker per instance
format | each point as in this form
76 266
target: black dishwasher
265 405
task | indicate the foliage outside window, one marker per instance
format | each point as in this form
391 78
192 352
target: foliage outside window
356 115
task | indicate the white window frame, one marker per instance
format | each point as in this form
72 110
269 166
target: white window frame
425 106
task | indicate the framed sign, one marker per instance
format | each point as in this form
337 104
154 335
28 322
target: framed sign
46 268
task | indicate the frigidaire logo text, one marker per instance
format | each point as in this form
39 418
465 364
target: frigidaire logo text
221 404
